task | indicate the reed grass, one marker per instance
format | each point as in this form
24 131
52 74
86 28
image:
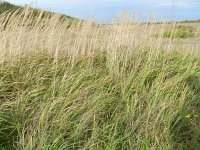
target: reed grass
79 85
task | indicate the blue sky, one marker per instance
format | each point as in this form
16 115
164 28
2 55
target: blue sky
104 10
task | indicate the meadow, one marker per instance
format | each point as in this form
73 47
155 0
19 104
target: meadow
79 85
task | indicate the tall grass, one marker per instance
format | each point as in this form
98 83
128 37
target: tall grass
78 85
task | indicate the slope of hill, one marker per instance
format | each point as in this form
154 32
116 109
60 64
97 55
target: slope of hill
5 6
8 7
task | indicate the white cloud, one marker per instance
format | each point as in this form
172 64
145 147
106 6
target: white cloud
175 4
169 3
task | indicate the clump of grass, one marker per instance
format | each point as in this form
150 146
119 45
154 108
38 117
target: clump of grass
180 32
59 106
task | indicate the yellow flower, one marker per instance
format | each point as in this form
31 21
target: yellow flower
188 116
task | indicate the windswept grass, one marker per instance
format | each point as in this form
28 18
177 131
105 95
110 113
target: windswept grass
95 87
56 106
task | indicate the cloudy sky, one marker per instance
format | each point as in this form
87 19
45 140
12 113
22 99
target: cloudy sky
104 10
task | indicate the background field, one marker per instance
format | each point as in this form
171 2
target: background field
73 84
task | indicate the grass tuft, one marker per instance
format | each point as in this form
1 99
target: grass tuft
85 106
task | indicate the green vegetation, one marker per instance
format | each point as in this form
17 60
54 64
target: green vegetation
4 7
50 104
179 32
7 7
190 21
80 85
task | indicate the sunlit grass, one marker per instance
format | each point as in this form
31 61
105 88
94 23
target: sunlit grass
95 87
56 106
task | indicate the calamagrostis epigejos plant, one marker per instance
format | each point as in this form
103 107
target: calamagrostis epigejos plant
79 85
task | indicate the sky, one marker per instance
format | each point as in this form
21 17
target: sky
104 10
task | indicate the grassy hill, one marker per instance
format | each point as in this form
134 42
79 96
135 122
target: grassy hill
5 6
8 7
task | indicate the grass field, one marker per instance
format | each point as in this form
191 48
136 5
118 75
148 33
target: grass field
98 87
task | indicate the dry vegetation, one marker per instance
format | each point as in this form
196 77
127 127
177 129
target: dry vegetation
78 85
